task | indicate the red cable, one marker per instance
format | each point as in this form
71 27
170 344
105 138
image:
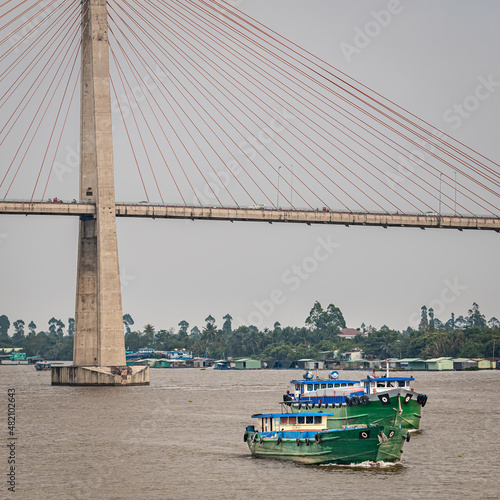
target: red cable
45 33
384 124
31 124
19 15
62 48
229 113
32 29
57 119
187 43
128 135
201 173
208 142
418 145
234 53
117 64
359 83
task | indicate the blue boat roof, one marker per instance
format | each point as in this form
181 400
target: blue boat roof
325 381
389 379
305 414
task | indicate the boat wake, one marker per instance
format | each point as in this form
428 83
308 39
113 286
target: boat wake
386 466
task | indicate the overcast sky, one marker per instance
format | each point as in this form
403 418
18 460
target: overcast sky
428 56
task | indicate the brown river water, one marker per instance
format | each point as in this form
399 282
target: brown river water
182 437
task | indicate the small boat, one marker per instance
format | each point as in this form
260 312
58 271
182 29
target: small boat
307 438
42 366
386 400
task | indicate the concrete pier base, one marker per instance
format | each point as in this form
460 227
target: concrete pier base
100 375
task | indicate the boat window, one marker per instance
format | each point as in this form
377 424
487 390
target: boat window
317 420
330 386
380 384
297 387
350 384
300 420
309 420
337 385
309 387
323 386
343 385
401 383
292 420
284 420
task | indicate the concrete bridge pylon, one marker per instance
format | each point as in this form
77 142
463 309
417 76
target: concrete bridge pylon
99 343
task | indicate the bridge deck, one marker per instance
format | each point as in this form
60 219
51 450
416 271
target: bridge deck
255 215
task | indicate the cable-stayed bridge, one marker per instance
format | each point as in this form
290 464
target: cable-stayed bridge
212 115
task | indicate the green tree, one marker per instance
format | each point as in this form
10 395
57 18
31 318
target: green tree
32 328
53 327
450 324
472 350
475 318
210 329
316 316
334 317
71 327
227 326
18 337
60 328
149 335
4 331
195 332
127 322
423 327
183 326
431 320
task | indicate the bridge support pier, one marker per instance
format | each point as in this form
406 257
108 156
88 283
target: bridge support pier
99 343
100 375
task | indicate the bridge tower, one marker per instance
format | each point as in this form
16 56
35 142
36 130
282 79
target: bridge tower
99 343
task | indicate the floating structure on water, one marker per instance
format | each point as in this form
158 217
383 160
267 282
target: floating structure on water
385 400
310 439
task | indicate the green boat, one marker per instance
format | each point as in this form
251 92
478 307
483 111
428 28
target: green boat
394 407
382 400
307 438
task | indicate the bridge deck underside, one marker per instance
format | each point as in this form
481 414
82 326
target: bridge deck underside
255 215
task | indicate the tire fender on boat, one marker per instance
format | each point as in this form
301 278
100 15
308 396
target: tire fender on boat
348 401
355 400
318 438
297 442
245 437
278 441
424 400
364 399
308 442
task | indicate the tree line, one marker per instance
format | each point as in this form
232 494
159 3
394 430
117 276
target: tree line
467 336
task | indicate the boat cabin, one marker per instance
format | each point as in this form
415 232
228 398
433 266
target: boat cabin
373 385
306 389
274 422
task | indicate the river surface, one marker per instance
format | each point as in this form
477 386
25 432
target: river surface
182 437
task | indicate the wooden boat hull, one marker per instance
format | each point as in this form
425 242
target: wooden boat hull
343 446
